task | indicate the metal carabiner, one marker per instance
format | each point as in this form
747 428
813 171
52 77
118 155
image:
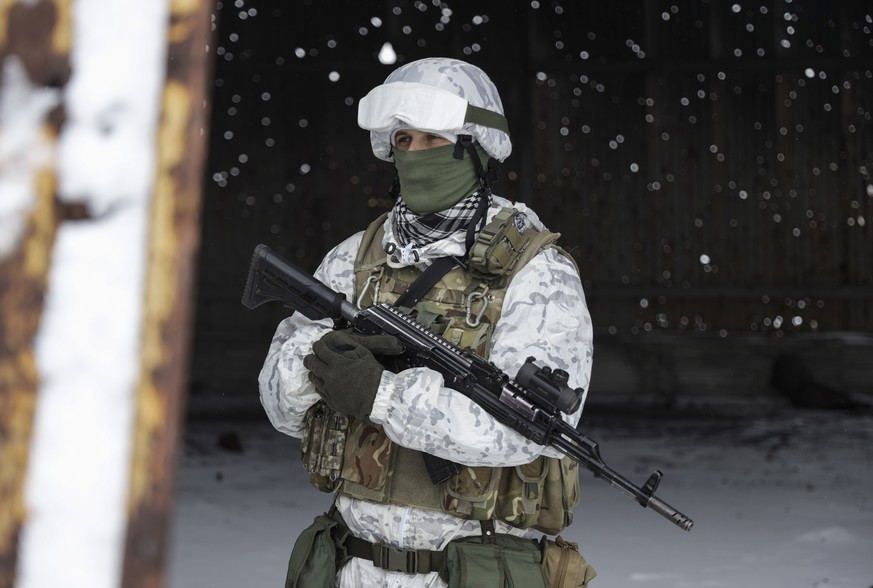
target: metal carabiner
471 297
372 279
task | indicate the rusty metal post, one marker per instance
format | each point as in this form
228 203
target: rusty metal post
35 42
171 272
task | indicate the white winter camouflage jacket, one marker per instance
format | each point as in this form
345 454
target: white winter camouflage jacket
544 315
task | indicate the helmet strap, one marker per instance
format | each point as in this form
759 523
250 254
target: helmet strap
465 143
394 190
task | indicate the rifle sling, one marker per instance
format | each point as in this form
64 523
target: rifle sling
425 282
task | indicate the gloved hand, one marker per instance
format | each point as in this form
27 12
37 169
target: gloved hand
345 371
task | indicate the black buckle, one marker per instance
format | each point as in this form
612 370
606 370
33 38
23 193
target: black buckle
464 142
393 559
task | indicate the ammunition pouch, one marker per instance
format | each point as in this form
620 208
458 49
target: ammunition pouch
495 560
506 244
322 445
499 244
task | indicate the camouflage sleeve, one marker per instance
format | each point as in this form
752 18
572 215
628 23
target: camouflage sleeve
286 392
545 316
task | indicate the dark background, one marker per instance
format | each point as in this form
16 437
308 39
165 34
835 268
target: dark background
707 162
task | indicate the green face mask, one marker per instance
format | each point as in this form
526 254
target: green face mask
432 180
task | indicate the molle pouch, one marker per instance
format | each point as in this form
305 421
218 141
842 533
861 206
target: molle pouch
313 562
322 445
368 455
500 561
472 493
563 565
499 244
521 493
560 495
476 338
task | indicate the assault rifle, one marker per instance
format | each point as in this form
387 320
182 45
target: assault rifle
530 404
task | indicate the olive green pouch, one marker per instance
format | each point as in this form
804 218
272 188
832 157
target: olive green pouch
313 562
501 560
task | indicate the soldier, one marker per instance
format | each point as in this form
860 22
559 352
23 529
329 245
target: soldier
480 271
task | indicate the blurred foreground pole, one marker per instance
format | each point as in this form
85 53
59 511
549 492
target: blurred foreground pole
103 123
175 235
34 48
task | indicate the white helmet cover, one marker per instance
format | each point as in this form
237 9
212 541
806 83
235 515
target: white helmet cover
436 94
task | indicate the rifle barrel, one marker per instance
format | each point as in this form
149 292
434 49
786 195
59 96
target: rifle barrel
588 456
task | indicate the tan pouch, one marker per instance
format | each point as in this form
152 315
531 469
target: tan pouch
367 458
563 565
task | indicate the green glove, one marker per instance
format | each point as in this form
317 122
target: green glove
345 371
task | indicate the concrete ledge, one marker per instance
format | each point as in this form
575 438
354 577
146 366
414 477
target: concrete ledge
664 371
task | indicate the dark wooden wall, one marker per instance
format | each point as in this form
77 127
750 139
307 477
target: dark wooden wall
707 162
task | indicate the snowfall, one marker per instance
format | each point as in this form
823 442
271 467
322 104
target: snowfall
780 497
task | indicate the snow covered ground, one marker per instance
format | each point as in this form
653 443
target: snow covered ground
781 500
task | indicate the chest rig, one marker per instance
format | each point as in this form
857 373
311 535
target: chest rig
463 308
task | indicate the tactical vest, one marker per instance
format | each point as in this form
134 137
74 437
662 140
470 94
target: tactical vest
356 457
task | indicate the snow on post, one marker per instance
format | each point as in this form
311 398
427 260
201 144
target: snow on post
102 127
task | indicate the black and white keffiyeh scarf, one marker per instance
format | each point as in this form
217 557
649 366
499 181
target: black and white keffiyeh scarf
410 228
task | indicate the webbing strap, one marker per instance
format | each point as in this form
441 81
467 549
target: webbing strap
393 559
423 283
486 118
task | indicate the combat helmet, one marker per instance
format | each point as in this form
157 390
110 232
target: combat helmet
436 94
